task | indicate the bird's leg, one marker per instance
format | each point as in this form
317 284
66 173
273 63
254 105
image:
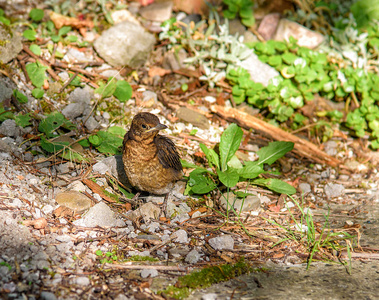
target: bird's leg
164 205
135 197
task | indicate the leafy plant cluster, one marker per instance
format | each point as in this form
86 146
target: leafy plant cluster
305 72
213 51
226 168
242 8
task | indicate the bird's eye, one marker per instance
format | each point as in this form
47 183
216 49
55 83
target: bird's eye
143 126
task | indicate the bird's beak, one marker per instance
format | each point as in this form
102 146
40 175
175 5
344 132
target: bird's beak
157 128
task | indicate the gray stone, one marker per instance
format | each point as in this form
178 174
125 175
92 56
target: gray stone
80 95
304 36
135 42
259 71
250 203
305 188
9 128
235 26
209 296
181 236
149 99
193 117
5 92
158 11
4 147
82 281
333 190
330 148
73 200
11 44
145 273
91 124
47 296
268 25
193 257
100 215
148 211
101 167
76 185
73 110
222 242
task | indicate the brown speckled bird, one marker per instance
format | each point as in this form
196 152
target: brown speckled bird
151 161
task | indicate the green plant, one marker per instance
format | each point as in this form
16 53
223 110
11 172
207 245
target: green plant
316 240
243 8
227 168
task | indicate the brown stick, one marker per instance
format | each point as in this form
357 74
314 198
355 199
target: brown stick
302 147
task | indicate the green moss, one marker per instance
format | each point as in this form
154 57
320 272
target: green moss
205 278
142 258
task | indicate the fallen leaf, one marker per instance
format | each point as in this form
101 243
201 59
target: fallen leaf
37 224
61 20
158 71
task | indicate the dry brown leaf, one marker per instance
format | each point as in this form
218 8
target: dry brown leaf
63 212
61 20
98 190
158 71
37 224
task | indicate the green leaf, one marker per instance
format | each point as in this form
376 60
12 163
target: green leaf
4 115
275 185
36 73
234 162
123 91
117 130
199 182
211 155
229 144
53 121
52 147
229 177
248 22
106 89
38 93
251 170
84 143
72 38
106 142
5 21
29 34
23 120
64 30
274 151
35 49
36 14
20 96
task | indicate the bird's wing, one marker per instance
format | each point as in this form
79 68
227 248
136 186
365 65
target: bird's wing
167 154
126 138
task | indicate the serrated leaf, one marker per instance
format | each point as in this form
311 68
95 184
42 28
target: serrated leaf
4 115
53 121
23 120
229 144
36 73
275 185
199 182
117 130
106 142
274 151
123 91
52 147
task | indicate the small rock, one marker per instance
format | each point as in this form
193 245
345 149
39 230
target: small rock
9 128
268 25
11 45
193 257
222 242
210 296
235 26
193 117
82 281
80 95
330 148
259 71
76 186
122 15
147 211
47 296
149 99
250 203
91 124
73 110
304 36
333 190
173 60
305 188
101 167
100 215
5 92
181 236
145 273
132 38
158 11
73 200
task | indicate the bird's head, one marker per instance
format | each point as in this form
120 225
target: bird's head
146 126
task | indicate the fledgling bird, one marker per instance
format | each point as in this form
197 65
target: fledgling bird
151 161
